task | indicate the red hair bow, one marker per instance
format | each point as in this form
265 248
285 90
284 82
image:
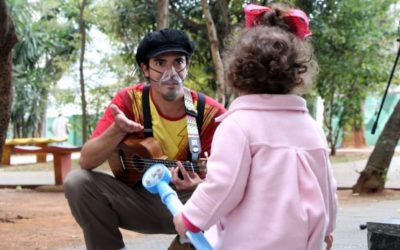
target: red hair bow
297 17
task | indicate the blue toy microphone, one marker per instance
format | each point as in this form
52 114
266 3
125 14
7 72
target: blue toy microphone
156 180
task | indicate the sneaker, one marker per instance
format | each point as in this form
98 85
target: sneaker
177 245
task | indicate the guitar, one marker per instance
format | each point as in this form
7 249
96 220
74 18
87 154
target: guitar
134 156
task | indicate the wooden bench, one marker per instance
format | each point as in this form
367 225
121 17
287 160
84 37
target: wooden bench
9 145
61 158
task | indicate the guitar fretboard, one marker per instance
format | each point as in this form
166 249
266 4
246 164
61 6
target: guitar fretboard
141 164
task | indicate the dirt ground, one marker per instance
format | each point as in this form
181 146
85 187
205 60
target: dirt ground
32 219
41 219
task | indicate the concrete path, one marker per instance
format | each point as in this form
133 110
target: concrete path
346 174
347 236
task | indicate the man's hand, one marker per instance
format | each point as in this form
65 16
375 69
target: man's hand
190 179
123 123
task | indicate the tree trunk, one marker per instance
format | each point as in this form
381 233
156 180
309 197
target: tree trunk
212 36
162 14
8 39
82 29
354 139
41 125
373 177
223 35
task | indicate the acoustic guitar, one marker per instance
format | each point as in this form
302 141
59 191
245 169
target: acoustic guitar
133 156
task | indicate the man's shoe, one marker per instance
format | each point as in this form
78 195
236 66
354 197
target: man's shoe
177 245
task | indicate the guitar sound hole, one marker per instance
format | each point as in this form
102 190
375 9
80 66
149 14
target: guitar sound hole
138 164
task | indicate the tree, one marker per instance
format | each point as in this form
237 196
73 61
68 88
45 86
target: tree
219 67
45 50
349 37
82 31
373 177
8 39
162 14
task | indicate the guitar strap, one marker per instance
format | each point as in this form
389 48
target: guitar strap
194 119
193 131
148 127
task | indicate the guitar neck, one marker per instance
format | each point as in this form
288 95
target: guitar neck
188 165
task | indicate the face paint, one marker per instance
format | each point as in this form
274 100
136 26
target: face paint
169 77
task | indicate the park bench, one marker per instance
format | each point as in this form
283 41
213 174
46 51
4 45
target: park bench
61 158
8 148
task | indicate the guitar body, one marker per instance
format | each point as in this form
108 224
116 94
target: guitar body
134 156
125 162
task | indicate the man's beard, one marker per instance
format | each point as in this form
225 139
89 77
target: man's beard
172 93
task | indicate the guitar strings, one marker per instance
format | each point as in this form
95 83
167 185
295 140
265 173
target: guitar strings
143 163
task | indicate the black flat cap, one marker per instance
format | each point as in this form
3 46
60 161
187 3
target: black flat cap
165 40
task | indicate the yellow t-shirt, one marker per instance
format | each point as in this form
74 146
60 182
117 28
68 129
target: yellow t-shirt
172 135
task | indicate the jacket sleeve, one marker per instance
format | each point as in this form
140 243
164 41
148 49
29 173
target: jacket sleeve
227 175
332 199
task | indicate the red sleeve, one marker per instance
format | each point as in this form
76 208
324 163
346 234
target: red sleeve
189 225
212 110
124 102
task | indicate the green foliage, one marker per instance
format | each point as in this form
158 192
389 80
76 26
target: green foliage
45 50
352 40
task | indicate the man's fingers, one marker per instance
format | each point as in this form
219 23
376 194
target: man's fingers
175 176
115 110
185 173
174 172
123 122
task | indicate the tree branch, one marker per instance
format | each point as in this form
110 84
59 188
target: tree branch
189 24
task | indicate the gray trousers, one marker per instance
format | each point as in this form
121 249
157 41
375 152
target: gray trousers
101 205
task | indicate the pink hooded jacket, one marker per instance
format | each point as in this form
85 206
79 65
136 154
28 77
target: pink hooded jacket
269 183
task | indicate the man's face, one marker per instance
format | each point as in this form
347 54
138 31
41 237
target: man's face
166 73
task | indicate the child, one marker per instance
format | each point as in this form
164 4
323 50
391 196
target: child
269 183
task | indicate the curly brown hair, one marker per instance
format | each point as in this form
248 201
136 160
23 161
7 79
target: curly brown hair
270 59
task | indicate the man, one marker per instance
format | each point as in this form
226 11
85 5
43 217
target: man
100 203
60 127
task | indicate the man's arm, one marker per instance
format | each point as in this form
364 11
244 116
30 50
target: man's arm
98 149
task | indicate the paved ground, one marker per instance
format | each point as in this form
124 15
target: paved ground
347 235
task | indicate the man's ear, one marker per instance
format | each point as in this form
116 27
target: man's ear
188 62
145 69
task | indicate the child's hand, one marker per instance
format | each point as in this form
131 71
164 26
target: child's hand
180 226
329 241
